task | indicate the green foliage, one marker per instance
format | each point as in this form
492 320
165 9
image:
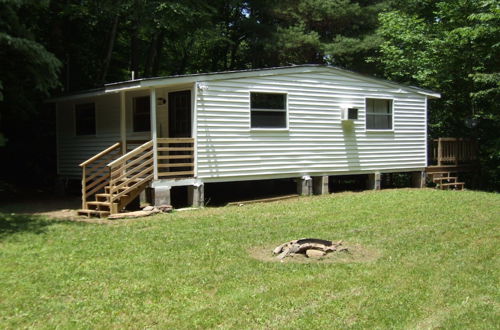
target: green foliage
436 266
63 46
452 47
20 54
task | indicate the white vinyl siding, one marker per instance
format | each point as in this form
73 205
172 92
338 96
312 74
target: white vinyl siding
72 149
316 142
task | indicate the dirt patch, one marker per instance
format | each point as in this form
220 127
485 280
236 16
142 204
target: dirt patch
356 253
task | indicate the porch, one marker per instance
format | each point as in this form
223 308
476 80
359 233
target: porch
115 177
449 157
155 144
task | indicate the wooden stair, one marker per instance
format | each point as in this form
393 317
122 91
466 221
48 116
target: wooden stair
102 206
445 181
113 178
115 184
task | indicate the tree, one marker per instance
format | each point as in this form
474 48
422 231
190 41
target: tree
27 70
453 47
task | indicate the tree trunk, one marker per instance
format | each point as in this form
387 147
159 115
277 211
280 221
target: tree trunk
159 47
111 45
134 53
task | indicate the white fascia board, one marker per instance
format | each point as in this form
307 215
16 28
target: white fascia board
119 87
384 82
226 76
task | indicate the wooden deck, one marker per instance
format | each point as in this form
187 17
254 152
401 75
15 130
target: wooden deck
449 157
453 151
114 178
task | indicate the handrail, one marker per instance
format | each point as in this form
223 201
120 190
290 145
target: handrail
130 154
453 151
101 154
94 175
133 169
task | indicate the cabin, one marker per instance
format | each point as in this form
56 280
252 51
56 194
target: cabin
307 122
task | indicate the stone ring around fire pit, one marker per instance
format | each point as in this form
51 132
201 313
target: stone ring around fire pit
311 247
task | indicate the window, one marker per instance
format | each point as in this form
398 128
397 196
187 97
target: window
141 117
378 114
268 110
85 119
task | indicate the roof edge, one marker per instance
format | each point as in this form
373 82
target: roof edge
116 87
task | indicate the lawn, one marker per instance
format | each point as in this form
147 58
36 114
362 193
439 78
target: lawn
436 265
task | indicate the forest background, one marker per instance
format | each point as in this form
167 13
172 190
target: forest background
48 48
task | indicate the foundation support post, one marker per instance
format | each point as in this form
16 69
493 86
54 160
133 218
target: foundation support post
304 185
373 182
146 197
196 195
320 185
161 196
418 179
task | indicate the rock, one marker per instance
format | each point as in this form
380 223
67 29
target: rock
165 208
284 246
148 208
311 253
278 249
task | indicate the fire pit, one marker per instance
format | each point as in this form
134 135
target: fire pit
310 247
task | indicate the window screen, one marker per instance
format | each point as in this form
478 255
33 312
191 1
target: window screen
142 119
378 114
268 110
85 119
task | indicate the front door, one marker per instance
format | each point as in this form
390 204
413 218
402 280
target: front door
179 114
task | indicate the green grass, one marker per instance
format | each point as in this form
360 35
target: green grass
438 266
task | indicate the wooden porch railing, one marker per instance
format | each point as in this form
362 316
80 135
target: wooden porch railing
175 157
121 176
453 151
130 171
95 175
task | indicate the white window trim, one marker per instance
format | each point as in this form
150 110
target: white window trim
74 120
392 114
267 129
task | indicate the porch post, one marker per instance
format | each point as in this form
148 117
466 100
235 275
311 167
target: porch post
440 152
154 135
123 127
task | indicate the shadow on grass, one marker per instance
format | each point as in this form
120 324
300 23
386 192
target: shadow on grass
17 223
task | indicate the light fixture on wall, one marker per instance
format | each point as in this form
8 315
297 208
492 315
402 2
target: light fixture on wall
202 86
161 101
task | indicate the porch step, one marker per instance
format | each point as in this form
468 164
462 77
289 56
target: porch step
106 197
444 178
457 185
96 203
102 196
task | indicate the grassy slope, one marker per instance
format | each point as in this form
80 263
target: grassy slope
439 266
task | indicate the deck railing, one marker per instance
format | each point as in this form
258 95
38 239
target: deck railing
453 151
130 171
120 173
175 157
95 175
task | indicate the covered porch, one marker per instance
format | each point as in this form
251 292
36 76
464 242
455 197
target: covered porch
156 146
